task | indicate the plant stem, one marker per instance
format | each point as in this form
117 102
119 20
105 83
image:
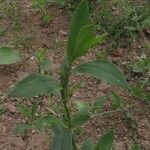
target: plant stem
67 111
116 111
65 74
64 92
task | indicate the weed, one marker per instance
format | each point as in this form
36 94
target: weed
43 63
63 122
121 19
23 42
41 5
142 65
141 73
13 11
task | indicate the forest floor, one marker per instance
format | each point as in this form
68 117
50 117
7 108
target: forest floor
34 36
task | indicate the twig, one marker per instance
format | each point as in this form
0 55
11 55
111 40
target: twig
116 111
52 111
144 37
146 80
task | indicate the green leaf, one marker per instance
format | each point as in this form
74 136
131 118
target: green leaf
138 69
106 141
80 118
135 147
46 122
80 18
99 104
8 56
40 123
146 23
34 110
62 138
80 105
83 106
85 40
116 100
88 145
51 120
34 85
139 91
103 70
24 110
40 55
22 128
45 65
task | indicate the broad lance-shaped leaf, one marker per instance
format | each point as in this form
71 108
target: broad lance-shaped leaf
8 56
103 70
34 85
85 40
62 138
80 18
106 141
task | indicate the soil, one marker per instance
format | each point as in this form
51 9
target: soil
34 35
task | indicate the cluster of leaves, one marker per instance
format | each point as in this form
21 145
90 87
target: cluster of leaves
121 18
140 89
41 5
140 77
124 21
11 10
142 65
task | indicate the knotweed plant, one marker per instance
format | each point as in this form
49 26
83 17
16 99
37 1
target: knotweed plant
64 125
